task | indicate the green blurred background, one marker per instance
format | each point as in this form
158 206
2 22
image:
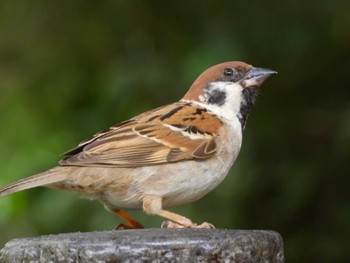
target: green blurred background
71 68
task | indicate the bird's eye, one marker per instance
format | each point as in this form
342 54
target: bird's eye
228 72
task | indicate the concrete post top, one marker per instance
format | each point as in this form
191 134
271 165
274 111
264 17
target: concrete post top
149 245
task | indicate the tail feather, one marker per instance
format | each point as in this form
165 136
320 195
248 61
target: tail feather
45 178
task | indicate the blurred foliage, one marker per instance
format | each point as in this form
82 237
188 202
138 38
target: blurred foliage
71 68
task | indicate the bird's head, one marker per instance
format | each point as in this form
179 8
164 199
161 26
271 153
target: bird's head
228 89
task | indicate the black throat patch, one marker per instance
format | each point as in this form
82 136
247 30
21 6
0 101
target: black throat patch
248 100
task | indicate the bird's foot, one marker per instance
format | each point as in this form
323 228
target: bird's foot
170 224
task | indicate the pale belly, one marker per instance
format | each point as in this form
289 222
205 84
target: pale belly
177 183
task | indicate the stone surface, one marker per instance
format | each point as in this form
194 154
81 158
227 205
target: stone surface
149 245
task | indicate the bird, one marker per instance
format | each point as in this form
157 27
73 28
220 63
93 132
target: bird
165 157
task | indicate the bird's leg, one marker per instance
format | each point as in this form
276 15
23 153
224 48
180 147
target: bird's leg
132 223
153 205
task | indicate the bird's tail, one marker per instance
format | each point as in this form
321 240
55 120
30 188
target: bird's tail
49 177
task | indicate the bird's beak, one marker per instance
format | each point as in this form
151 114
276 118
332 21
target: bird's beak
256 77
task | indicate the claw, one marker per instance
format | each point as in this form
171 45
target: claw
205 225
170 224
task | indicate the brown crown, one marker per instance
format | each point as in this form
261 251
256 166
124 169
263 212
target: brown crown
211 74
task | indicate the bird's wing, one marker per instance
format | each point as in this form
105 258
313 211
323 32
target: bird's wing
179 131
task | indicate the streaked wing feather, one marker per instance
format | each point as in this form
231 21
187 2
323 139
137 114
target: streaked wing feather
146 140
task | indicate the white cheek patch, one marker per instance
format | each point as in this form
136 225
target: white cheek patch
230 107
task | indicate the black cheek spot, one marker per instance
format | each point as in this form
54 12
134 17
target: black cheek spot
217 97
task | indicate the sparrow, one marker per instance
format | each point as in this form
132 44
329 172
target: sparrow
165 157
